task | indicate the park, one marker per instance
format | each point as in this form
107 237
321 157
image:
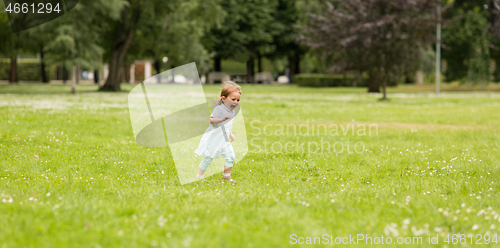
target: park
349 142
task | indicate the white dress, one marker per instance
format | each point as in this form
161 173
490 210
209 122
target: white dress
215 140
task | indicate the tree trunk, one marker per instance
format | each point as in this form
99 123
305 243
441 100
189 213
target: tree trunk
156 65
126 70
494 22
45 78
123 37
259 62
173 75
409 79
65 74
115 64
373 81
384 87
96 77
217 64
74 77
77 74
385 78
292 66
250 69
297 63
13 69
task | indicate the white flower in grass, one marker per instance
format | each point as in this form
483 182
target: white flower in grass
391 229
417 232
48 194
162 220
475 227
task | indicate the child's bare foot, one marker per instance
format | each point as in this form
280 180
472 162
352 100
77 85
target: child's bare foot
227 178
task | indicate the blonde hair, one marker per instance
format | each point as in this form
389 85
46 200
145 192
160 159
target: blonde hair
229 87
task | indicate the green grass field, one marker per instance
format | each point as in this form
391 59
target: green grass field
71 174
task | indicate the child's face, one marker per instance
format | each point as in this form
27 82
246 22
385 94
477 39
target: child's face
232 100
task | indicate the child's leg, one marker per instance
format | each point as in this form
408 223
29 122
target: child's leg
204 165
228 165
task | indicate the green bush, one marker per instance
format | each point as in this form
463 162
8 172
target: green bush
26 70
327 80
4 70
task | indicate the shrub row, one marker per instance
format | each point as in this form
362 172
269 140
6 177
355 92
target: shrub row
328 80
26 70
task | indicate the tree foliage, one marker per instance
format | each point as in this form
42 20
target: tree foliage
466 41
177 34
247 31
74 39
374 36
156 27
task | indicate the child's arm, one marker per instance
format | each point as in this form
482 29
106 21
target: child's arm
218 120
232 137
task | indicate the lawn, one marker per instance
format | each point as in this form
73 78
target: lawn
416 166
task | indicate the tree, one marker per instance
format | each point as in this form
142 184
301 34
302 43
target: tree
226 40
494 28
494 18
177 34
286 39
373 36
122 36
9 44
466 41
38 38
150 19
72 39
247 30
77 36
